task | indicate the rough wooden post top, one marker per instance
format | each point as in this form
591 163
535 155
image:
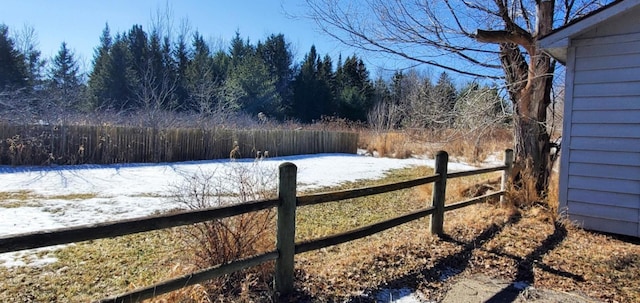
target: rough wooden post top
287 165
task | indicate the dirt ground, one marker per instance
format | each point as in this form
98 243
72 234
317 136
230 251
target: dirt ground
480 288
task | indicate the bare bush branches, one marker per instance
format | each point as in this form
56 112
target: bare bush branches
223 240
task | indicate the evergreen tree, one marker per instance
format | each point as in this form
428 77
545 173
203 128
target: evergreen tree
444 100
170 78
155 80
181 59
64 78
276 54
239 49
203 79
311 92
13 72
122 76
138 47
354 90
99 78
254 87
64 71
397 91
155 59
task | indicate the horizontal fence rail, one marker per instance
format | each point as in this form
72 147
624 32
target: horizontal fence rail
126 227
286 204
191 279
362 231
362 192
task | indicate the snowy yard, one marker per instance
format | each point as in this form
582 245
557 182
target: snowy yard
113 192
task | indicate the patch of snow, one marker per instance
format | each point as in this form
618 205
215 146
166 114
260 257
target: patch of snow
32 257
448 273
402 295
520 285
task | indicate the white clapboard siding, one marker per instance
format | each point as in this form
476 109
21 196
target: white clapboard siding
626 25
607 116
617 130
606 103
605 157
603 211
600 163
622 75
598 48
615 62
630 88
604 184
629 201
624 172
605 144
605 225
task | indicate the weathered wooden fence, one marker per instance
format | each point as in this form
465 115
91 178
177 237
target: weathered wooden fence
105 144
286 204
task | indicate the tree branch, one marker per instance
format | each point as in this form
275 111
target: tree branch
502 36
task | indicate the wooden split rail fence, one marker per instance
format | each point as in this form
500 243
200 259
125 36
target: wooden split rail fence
286 205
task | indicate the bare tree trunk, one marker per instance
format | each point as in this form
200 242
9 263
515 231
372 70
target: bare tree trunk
530 89
531 136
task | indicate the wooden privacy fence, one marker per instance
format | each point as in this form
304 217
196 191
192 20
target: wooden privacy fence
106 144
286 205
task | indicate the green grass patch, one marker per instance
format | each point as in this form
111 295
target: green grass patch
93 270
333 217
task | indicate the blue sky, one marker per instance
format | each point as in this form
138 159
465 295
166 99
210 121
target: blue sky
80 22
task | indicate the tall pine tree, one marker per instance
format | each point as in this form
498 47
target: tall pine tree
275 52
64 78
312 96
354 90
13 72
99 78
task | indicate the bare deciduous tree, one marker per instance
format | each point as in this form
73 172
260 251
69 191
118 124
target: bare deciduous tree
155 93
489 39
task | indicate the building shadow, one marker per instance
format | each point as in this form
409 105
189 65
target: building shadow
526 265
444 268
454 264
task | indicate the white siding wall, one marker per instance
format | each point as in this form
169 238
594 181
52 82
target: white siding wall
600 175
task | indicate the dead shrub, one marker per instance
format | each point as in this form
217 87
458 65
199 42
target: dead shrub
522 192
25 150
224 240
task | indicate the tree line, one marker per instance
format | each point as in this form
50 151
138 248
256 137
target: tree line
150 73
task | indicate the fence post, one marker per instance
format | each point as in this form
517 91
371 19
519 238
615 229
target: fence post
286 228
439 190
508 162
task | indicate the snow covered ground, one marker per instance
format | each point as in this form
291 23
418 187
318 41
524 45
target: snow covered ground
133 190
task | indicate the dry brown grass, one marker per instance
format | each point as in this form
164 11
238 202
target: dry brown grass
473 148
515 241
